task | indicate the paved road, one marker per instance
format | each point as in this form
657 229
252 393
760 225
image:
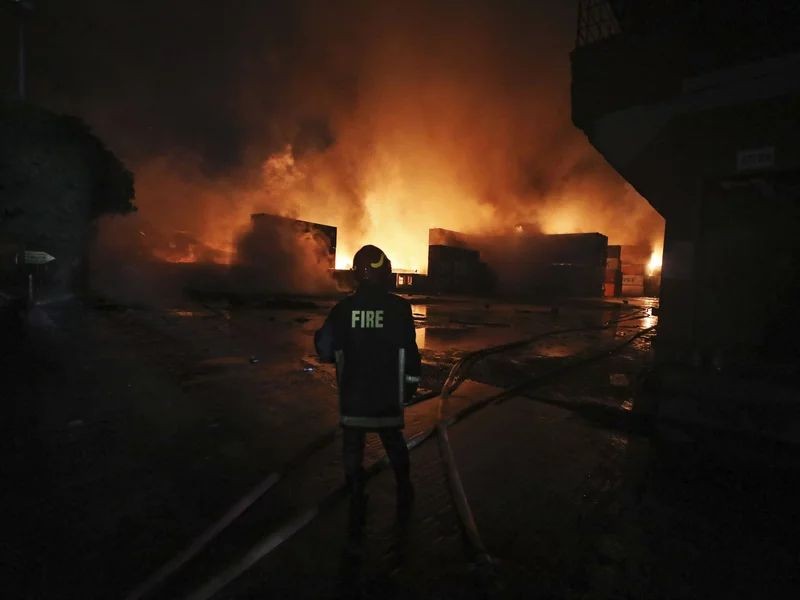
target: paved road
128 431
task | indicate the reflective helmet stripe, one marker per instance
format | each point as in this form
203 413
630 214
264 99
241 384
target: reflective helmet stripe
379 264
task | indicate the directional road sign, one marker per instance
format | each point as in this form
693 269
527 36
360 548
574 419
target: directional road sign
36 257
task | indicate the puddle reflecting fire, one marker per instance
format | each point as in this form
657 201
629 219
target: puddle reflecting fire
419 310
421 337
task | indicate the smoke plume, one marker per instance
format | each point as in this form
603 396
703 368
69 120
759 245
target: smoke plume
384 119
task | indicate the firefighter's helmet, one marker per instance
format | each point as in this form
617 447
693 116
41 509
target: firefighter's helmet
370 264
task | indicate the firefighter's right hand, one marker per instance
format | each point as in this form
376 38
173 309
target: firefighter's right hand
410 388
323 343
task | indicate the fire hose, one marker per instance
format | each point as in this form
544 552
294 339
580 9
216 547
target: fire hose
295 524
458 372
303 518
479 553
233 513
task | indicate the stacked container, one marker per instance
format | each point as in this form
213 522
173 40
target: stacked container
633 262
612 285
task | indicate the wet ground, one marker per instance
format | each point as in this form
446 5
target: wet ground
129 431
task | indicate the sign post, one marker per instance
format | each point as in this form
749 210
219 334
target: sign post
36 258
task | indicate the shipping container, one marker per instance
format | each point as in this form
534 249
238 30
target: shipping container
268 228
446 259
633 269
612 275
571 280
522 263
456 270
632 279
453 239
633 290
610 289
408 282
614 252
612 263
652 285
587 249
635 254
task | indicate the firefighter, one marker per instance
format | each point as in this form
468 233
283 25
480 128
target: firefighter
370 336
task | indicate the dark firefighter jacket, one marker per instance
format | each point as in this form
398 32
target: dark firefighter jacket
370 335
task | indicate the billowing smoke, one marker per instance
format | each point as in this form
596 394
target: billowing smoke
381 118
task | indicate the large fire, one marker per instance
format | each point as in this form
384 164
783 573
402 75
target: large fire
471 135
402 199
399 212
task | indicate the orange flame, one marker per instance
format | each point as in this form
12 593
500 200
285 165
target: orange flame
401 198
654 264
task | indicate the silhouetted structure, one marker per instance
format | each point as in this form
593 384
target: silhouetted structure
56 178
696 104
518 264
268 225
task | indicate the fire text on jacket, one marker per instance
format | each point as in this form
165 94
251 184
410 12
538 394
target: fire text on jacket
367 319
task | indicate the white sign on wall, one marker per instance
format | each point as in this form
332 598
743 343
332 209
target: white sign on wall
755 158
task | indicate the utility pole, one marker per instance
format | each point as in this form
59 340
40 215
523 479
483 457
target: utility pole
21 63
22 9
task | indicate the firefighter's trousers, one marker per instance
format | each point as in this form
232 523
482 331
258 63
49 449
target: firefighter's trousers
353 455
